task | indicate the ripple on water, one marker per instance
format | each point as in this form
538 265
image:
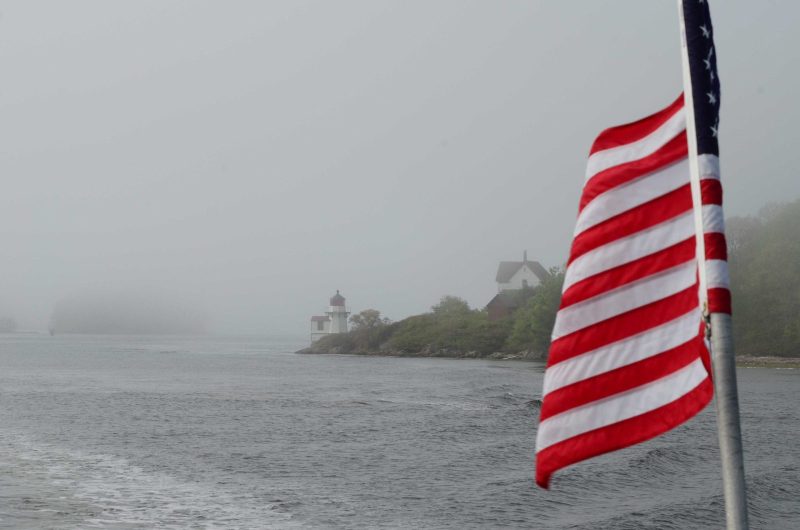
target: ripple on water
59 489
93 435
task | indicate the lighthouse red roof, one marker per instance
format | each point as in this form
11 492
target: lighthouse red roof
337 299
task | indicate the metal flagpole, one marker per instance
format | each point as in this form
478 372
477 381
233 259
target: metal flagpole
728 428
722 356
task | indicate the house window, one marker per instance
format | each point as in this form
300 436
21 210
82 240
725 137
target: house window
320 327
524 284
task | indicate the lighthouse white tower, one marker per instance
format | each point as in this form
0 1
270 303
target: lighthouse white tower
337 313
334 321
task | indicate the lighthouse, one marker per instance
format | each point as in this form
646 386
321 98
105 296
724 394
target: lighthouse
337 313
334 321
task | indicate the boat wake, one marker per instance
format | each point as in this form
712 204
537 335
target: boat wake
68 489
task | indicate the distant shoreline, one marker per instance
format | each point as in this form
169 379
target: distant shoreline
432 354
744 361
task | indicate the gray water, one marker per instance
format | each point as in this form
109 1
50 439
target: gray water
141 433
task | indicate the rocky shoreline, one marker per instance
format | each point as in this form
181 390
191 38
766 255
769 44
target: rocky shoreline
744 361
749 361
425 353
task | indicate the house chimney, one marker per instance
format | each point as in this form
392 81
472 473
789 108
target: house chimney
524 256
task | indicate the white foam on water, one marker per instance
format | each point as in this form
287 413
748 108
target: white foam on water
125 496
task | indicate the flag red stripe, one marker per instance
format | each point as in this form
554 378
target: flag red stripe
631 132
629 272
622 326
621 434
711 191
674 150
719 300
621 379
716 246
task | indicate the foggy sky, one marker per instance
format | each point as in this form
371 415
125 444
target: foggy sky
253 157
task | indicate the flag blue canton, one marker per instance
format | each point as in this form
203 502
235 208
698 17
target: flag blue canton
705 79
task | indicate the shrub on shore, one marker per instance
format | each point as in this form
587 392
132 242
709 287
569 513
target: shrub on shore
451 326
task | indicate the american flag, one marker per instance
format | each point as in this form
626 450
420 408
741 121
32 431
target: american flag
629 359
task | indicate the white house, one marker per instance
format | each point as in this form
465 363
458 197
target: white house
515 275
334 320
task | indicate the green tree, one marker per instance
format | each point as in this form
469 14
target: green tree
451 305
451 327
368 319
533 323
765 281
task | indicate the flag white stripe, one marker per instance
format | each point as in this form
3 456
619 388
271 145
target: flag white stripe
628 297
717 273
646 146
622 353
632 194
630 248
709 166
619 407
713 219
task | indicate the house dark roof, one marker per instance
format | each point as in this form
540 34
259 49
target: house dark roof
319 319
507 269
505 299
